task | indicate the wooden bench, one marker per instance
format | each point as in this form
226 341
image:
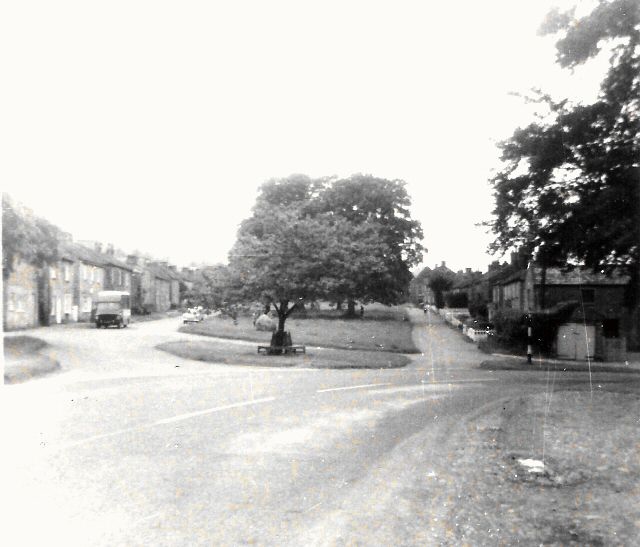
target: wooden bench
283 349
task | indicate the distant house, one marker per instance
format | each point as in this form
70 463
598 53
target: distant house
21 296
465 289
118 273
155 286
174 288
89 270
59 288
603 293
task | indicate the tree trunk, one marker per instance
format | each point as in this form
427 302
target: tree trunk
543 287
279 339
351 308
282 317
267 308
338 305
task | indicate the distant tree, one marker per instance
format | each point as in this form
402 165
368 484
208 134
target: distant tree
417 283
296 248
211 287
440 282
33 239
383 204
569 191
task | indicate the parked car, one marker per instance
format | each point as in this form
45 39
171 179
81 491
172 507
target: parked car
192 316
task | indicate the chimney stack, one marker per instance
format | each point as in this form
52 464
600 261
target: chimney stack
110 251
444 264
98 247
468 270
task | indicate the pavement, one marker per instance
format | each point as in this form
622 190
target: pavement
130 445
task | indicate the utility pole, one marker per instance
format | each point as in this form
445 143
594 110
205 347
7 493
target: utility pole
529 339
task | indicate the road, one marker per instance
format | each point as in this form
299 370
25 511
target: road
131 446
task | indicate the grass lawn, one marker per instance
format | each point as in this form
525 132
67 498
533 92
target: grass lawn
237 354
22 360
16 347
386 330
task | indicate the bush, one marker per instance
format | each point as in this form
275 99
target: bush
456 300
478 307
511 329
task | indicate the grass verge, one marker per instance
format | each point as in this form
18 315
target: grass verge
236 354
521 364
22 360
369 334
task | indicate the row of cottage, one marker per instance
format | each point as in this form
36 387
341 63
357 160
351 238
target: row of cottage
64 291
522 287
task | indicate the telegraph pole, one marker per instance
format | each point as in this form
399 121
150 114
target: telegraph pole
529 339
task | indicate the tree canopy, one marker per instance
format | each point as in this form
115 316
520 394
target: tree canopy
32 238
569 189
319 238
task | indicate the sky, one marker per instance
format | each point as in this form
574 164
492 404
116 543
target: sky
151 125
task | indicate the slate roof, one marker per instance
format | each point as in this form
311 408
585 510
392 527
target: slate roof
578 276
159 271
75 251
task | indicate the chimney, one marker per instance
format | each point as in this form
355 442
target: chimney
468 270
132 260
444 264
98 247
110 250
173 268
164 263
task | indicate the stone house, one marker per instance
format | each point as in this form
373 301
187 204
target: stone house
600 298
20 294
58 283
89 278
174 289
117 273
155 287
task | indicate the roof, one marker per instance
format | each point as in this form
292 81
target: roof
79 251
74 251
578 276
467 279
502 274
159 271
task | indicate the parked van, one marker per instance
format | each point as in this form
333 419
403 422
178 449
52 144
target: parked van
113 308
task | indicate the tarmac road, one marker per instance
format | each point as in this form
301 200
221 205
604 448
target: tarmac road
132 446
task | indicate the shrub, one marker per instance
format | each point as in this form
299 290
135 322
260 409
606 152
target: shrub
456 300
511 329
478 307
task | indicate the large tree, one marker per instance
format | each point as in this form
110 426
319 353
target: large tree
294 247
569 190
364 200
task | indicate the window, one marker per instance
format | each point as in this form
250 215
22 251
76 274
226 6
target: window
53 306
52 272
126 278
12 302
86 304
67 272
20 303
85 272
588 296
